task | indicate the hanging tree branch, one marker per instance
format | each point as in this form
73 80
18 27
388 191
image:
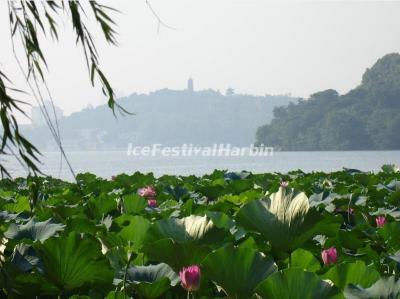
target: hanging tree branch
159 21
29 22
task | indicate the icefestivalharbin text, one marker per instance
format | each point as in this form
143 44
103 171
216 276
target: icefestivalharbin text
188 150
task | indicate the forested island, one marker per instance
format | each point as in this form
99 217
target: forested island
366 118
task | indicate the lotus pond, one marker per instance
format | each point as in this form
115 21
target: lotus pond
236 235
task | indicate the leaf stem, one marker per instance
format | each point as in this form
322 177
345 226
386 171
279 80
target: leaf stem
126 273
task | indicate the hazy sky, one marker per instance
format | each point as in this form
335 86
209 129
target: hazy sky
254 46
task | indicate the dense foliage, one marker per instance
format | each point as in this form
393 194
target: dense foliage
241 235
367 117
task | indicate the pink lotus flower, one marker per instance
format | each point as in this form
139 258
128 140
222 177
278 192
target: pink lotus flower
284 184
329 256
152 202
148 191
190 278
380 221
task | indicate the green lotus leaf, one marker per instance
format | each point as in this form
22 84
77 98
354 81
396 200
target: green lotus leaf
351 239
295 283
30 285
395 258
7 217
222 220
153 280
81 224
285 218
189 229
394 185
323 198
71 261
182 242
25 258
134 204
21 204
101 205
353 273
61 209
384 288
32 230
133 229
241 198
177 255
237 270
116 295
305 260
390 168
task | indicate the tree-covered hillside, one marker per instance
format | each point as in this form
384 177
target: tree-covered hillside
367 117
168 117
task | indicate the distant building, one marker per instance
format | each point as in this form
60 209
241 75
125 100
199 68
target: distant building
230 92
37 114
190 85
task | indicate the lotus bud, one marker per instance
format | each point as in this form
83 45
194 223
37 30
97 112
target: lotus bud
190 278
148 191
380 221
329 256
152 202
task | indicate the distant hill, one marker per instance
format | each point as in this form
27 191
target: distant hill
168 117
366 118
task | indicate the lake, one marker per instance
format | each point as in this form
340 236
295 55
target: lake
108 163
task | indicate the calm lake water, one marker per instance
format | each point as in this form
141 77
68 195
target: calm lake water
106 164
